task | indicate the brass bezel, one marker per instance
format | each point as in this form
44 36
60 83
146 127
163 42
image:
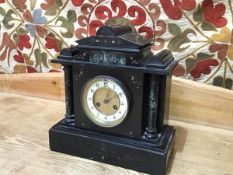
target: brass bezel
87 111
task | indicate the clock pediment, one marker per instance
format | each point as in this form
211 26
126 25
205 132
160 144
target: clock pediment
115 38
117 47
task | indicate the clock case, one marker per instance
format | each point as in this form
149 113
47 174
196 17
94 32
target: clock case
143 141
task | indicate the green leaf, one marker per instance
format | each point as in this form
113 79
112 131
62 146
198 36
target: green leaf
202 55
176 43
71 16
51 34
7 19
32 4
190 63
53 9
22 31
59 2
2 11
44 59
16 38
206 26
41 58
228 83
198 14
68 23
174 29
219 81
38 57
51 12
59 43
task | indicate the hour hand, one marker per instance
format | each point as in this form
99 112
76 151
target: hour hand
106 100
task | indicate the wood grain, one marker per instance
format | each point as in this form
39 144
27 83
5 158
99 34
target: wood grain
201 104
190 101
24 149
48 85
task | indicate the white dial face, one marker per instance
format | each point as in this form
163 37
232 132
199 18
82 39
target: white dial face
104 101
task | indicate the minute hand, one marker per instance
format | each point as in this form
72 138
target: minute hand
112 97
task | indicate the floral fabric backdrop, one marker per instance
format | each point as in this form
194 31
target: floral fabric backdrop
199 32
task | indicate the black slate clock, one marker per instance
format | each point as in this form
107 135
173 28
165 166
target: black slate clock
117 99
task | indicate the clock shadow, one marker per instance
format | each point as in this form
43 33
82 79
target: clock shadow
180 139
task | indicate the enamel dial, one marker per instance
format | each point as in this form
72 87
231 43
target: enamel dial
105 101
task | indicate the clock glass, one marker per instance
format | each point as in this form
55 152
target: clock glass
105 101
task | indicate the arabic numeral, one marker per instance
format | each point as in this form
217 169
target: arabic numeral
122 104
105 83
97 85
89 98
120 94
92 91
92 107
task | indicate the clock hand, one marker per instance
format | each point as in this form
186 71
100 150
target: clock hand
112 97
106 100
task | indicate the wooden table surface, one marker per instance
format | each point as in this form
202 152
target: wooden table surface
24 149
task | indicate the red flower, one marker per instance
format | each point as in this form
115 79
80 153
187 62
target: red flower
2 1
94 25
31 69
221 49
214 14
20 4
138 13
120 7
51 43
19 58
101 12
41 31
149 33
174 11
203 67
178 71
6 46
27 16
23 41
77 2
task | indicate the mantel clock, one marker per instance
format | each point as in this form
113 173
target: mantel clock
117 99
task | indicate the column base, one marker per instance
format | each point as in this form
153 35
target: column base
69 120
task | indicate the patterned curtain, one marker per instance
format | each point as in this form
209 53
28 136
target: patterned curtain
198 32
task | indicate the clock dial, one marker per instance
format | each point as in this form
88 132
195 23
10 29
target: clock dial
105 101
